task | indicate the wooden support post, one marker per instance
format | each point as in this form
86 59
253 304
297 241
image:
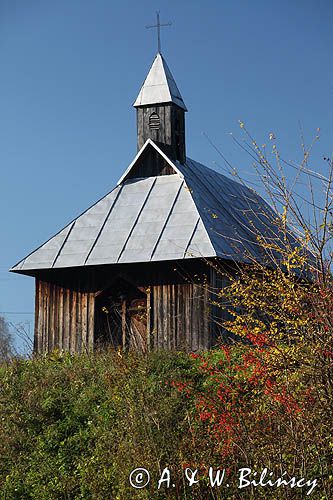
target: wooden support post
73 328
66 329
46 316
84 322
148 306
91 321
37 334
61 319
123 322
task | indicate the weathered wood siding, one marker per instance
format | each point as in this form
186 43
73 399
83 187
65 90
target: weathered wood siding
171 131
64 319
180 309
220 310
181 317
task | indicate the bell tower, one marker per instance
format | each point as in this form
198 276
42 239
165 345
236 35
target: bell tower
161 111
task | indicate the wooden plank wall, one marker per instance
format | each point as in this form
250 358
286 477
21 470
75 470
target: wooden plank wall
163 133
64 319
171 131
180 317
219 313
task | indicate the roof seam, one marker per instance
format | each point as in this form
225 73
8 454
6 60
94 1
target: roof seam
62 229
247 196
212 193
200 215
103 225
167 219
63 243
192 235
137 218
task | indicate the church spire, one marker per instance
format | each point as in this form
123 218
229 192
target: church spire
159 86
161 111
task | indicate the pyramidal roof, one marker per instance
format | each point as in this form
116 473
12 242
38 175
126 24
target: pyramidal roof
194 212
159 86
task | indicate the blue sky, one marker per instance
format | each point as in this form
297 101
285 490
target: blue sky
71 69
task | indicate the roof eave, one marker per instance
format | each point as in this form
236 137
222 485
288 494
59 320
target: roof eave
175 101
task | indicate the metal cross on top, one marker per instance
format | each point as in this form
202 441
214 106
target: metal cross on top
158 26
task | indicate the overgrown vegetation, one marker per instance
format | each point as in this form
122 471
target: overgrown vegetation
76 426
6 341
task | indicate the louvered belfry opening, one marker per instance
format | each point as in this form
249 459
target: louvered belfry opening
154 121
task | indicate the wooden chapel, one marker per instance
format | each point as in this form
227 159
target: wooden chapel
134 270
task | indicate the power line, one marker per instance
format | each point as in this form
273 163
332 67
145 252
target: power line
9 279
16 312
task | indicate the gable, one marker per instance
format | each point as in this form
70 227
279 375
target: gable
150 162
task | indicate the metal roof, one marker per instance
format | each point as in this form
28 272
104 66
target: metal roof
159 86
233 214
195 212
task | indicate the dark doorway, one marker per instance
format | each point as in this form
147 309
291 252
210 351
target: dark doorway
121 317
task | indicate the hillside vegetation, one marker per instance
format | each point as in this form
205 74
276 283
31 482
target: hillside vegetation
74 427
